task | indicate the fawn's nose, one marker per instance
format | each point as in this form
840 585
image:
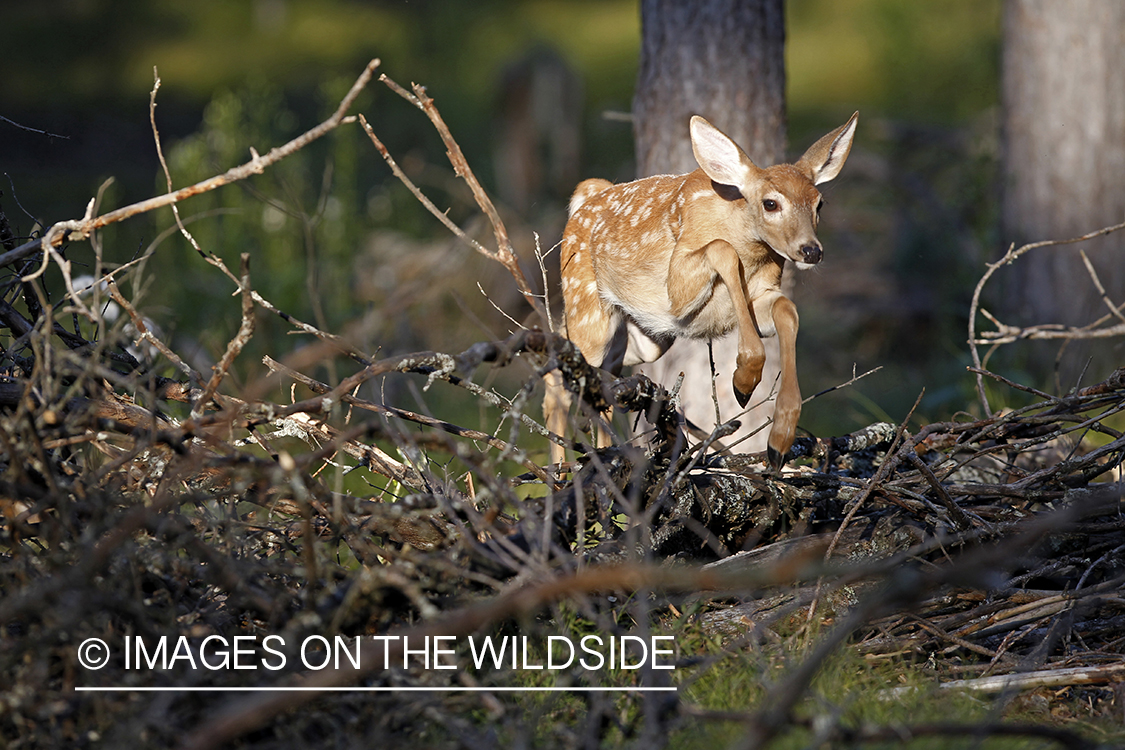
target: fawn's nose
812 253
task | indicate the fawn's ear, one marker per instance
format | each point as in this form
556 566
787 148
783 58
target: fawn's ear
825 158
719 157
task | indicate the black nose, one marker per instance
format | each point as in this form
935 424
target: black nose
812 253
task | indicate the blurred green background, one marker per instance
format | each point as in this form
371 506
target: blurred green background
334 238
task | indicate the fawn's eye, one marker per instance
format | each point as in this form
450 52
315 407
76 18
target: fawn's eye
819 205
770 205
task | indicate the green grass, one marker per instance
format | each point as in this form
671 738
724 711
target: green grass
849 691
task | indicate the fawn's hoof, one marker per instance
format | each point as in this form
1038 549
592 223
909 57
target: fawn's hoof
741 397
776 458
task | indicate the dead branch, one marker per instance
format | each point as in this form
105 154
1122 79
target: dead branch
504 254
236 344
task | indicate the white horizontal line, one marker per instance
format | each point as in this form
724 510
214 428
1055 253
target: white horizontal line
289 689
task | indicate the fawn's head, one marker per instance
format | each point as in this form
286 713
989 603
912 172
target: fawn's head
783 203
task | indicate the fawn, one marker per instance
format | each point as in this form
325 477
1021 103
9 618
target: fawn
695 255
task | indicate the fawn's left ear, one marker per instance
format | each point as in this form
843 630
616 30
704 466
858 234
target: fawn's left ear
719 157
825 158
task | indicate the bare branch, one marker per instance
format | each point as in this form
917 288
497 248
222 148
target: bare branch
505 253
236 344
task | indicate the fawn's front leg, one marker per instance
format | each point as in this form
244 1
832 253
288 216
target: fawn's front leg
689 282
782 313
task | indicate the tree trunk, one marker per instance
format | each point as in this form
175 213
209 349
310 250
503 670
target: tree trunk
1064 165
725 60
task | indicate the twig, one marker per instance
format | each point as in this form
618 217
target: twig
303 426
209 257
890 462
1011 383
145 336
960 520
338 342
541 259
1096 675
236 344
505 253
418 194
1114 309
854 379
13 123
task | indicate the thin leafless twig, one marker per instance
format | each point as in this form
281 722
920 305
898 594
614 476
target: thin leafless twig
505 254
236 344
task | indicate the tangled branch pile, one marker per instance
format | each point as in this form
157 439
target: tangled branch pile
987 553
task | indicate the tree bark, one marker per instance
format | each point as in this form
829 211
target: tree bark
724 60
1064 162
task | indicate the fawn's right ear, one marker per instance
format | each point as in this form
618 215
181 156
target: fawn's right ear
719 157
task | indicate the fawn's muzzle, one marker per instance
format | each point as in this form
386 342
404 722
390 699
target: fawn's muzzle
812 254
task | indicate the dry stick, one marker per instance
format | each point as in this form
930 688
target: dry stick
1114 309
1047 332
541 259
1040 678
852 381
889 464
951 637
436 365
904 587
960 520
714 380
236 344
992 268
372 457
416 191
505 253
145 336
81 229
1012 383
339 342
1023 486
439 214
209 257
